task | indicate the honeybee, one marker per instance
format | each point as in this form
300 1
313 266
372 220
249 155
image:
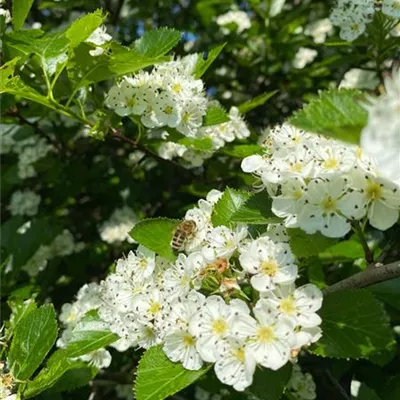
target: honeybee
184 231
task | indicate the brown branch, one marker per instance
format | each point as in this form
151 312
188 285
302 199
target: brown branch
374 274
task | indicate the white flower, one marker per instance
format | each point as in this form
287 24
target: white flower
192 113
357 78
127 99
380 139
303 57
7 18
270 338
222 242
99 36
301 386
214 323
236 365
269 263
100 358
391 8
240 18
117 228
167 111
299 305
319 30
170 150
24 203
380 195
322 208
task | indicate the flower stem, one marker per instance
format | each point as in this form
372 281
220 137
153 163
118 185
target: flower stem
369 257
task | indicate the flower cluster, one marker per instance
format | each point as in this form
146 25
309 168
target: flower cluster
380 139
301 385
357 78
24 203
5 14
319 30
30 149
197 308
303 57
87 299
63 245
352 16
319 184
219 134
167 96
116 229
7 384
236 17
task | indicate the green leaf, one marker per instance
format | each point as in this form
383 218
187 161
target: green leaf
256 210
15 86
348 249
55 369
305 245
51 48
156 234
203 64
89 334
159 378
269 384
242 150
388 291
34 336
229 203
157 42
20 309
128 61
354 325
23 246
336 113
204 144
20 10
256 102
215 115
366 393
83 27
391 389
74 378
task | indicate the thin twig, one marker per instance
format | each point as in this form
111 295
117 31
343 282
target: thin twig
23 121
375 274
116 135
369 257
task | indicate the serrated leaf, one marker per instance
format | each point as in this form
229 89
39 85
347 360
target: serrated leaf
336 113
74 378
229 203
159 378
56 367
354 325
20 10
14 85
157 42
20 309
83 27
204 63
305 245
242 150
215 115
34 336
128 61
256 102
156 234
256 210
88 335
269 384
